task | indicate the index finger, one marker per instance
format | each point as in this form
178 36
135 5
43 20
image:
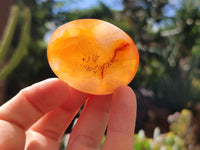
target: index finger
31 103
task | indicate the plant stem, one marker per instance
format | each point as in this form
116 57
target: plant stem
9 31
21 49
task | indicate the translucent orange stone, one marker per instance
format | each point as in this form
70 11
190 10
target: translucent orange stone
93 56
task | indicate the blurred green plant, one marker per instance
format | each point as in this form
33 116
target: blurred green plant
21 49
34 67
168 141
169 47
178 138
180 124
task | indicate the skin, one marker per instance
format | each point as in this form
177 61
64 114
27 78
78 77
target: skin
36 118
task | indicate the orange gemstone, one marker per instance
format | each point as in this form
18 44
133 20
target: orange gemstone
93 56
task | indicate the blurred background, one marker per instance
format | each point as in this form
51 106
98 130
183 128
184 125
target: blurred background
167 34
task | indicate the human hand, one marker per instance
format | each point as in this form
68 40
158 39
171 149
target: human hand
37 117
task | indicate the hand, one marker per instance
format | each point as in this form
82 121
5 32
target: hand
37 117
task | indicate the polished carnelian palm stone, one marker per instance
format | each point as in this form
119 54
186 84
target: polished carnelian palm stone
93 56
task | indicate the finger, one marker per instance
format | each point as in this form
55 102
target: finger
90 128
27 107
52 126
33 102
121 125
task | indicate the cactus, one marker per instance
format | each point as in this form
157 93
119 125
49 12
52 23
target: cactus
21 48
